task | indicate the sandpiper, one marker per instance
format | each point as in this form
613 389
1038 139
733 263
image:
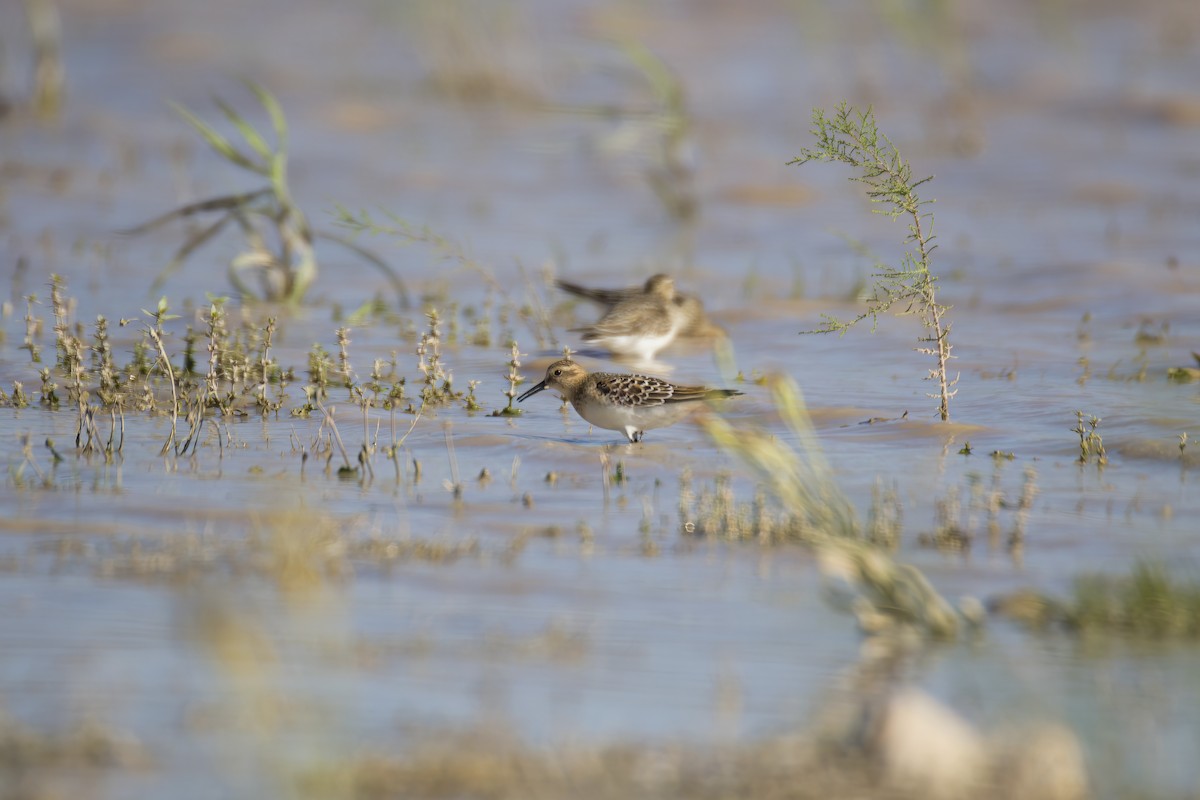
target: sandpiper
696 322
639 326
629 403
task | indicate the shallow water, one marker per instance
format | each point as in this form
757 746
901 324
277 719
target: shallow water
1063 145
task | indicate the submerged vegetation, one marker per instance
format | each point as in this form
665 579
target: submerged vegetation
852 137
1151 602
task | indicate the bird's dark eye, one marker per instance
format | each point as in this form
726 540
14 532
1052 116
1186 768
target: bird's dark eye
557 372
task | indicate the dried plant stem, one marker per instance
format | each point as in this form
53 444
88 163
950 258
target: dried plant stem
27 453
456 487
327 419
413 424
165 360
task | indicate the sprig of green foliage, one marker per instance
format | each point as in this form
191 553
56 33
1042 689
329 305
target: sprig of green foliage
851 137
1091 445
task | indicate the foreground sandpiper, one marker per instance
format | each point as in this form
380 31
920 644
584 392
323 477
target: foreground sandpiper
629 403
696 323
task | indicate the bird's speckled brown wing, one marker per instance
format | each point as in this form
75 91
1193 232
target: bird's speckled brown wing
646 390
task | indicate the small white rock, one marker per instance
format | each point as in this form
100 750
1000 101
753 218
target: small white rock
927 749
1043 762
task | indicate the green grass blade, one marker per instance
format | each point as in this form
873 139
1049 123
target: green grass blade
222 203
301 260
248 132
278 120
216 141
660 77
277 171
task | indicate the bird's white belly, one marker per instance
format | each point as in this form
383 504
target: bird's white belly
643 346
616 417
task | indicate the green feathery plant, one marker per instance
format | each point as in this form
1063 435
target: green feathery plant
1091 445
851 137
263 215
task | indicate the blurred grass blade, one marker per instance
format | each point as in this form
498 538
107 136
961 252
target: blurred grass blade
226 202
218 142
276 170
252 136
303 260
824 519
789 402
287 267
660 77
278 120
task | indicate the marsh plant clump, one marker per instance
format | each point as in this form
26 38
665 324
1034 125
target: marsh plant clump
220 367
1186 374
851 137
437 385
1151 602
280 273
958 525
1091 445
514 379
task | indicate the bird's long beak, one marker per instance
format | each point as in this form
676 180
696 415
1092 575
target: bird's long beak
532 391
